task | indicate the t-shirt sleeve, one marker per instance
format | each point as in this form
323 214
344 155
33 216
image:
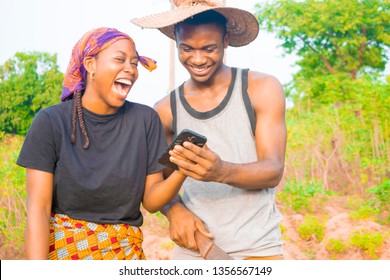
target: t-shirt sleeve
38 150
156 145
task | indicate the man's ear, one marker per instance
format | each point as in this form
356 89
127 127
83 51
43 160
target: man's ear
90 64
226 40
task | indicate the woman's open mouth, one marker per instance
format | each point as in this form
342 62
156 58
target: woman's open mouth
123 86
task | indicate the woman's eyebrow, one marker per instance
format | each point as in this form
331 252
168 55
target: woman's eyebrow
122 52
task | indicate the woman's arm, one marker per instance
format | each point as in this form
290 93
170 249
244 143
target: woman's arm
39 200
159 192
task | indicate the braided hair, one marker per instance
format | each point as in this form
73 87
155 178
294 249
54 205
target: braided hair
77 114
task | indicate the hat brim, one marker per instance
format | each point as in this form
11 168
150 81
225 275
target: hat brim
241 25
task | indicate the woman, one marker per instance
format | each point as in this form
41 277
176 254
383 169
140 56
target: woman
92 159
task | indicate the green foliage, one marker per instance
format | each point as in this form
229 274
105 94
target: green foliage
28 82
312 228
13 192
336 247
301 196
342 46
365 212
382 192
368 241
381 201
331 36
341 138
339 130
374 205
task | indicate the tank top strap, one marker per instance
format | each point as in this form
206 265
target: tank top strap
247 102
173 110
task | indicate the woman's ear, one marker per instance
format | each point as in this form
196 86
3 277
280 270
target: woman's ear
90 64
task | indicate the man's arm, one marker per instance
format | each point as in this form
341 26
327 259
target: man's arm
268 101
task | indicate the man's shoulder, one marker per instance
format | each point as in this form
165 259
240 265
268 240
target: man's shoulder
260 81
264 89
163 109
163 104
257 76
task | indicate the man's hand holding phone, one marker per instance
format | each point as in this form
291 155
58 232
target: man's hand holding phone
185 135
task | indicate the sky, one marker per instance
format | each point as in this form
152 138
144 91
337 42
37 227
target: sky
54 26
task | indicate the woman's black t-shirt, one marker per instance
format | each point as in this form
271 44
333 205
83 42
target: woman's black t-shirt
104 183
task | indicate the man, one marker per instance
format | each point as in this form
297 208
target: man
229 192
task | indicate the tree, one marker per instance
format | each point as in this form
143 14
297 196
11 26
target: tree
28 83
331 36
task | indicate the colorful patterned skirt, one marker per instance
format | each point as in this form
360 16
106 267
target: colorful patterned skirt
72 239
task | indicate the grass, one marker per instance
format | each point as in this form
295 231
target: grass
13 193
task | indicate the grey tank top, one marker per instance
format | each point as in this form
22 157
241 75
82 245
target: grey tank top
244 222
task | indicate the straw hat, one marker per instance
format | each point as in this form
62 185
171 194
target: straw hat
242 26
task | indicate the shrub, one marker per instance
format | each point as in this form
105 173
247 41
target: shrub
368 241
335 247
312 227
365 212
381 200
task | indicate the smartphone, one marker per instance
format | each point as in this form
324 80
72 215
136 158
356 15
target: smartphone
185 135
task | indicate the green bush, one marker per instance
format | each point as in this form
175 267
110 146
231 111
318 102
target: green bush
368 241
381 201
336 247
365 212
311 228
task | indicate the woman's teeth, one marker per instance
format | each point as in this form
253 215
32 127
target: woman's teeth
123 86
